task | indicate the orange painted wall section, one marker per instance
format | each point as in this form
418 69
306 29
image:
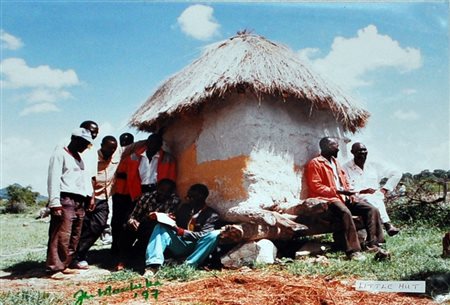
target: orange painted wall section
223 177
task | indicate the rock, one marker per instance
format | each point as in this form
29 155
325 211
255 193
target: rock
262 251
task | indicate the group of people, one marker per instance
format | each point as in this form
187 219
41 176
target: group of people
353 189
121 192
117 192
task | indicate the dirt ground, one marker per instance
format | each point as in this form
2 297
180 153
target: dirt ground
239 287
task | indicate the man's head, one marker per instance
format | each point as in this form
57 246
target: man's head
80 140
329 147
154 144
92 127
165 188
108 147
197 195
126 139
359 152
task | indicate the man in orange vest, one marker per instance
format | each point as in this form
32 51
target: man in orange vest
327 181
142 165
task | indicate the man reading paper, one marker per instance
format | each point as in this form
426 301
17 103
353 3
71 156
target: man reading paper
140 225
196 237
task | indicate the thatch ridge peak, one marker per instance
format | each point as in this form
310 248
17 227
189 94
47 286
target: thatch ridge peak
246 61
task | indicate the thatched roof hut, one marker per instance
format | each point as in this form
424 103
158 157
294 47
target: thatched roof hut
244 118
251 63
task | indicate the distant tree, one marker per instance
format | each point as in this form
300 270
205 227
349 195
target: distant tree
19 198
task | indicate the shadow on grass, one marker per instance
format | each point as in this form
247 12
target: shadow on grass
437 281
100 258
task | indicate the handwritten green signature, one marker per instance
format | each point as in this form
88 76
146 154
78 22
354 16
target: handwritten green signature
147 291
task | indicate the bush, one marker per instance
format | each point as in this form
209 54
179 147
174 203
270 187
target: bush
14 207
420 213
19 198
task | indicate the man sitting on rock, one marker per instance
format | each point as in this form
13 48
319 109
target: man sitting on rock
196 235
327 181
365 175
140 226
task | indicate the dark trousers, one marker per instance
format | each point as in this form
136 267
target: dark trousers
348 237
64 232
93 225
122 208
132 242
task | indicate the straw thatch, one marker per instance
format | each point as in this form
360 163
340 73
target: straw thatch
251 64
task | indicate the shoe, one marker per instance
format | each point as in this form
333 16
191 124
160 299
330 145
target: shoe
390 229
382 255
120 266
69 271
151 271
372 249
83 265
356 256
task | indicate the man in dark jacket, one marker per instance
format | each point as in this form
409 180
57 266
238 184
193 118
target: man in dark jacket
195 236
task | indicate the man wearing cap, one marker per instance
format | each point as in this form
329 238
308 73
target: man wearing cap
67 190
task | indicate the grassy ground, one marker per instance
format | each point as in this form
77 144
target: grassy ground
415 255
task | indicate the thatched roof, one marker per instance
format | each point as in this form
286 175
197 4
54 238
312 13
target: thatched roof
242 63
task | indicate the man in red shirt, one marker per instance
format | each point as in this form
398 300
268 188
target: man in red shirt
327 181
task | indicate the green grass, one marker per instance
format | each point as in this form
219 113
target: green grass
22 239
123 275
31 297
182 273
414 252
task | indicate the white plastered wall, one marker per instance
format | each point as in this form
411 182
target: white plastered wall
276 135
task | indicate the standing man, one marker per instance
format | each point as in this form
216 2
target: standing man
142 165
363 175
67 190
327 181
126 139
95 221
196 237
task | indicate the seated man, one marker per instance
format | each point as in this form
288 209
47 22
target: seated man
364 175
327 181
196 239
140 226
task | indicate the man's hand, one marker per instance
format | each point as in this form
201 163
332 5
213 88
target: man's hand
91 206
134 224
368 191
346 192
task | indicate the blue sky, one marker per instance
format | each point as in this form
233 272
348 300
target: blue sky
65 62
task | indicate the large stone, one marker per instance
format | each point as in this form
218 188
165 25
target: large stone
262 251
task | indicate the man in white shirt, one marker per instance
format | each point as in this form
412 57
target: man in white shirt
367 176
67 189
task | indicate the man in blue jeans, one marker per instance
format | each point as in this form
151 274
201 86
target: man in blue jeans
195 236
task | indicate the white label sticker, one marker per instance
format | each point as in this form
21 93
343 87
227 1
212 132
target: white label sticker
391 286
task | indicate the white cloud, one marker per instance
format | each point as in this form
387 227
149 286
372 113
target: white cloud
351 58
9 41
17 74
44 85
197 21
40 108
409 91
47 95
408 115
32 168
